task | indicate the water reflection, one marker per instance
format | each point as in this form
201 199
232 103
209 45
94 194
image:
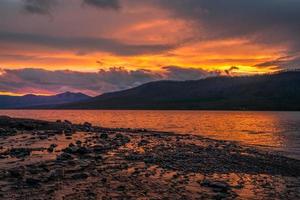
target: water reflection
278 130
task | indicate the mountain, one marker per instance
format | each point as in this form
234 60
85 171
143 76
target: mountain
278 91
30 100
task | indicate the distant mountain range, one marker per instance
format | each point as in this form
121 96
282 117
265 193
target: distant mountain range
280 91
36 101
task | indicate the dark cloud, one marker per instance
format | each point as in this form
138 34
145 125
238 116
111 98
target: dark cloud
235 17
30 80
231 69
103 4
286 62
35 80
181 74
268 22
46 6
39 6
84 45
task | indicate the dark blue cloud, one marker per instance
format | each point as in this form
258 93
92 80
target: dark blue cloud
39 6
28 80
84 44
103 4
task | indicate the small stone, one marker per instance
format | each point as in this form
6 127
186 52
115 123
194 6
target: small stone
143 142
217 186
19 152
82 150
68 122
79 176
32 182
104 180
99 148
104 136
64 156
121 188
15 173
53 145
50 149
87 124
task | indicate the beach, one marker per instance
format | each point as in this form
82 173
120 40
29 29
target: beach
61 160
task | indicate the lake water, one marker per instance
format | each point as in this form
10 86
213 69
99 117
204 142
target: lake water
278 131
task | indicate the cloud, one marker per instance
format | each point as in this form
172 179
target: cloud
285 62
238 17
268 22
39 6
44 7
231 69
103 4
181 74
30 80
265 29
84 45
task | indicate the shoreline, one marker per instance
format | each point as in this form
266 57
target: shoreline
62 160
158 109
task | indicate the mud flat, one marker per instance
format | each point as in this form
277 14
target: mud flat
61 160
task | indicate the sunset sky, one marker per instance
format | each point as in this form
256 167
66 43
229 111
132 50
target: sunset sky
97 46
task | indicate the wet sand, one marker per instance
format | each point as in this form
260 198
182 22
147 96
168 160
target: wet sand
61 160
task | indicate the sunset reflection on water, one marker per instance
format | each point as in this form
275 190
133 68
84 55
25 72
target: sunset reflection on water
275 130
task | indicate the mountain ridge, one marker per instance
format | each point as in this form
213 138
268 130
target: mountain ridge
278 91
32 100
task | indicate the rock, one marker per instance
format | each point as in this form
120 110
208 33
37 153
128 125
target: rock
50 150
121 188
119 136
82 150
104 136
71 145
67 122
94 173
43 137
121 139
98 157
76 150
14 173
68 134
56 174
103 180
87 124
64 156
19 152
7 132
80 176
216 185
71 149
143 142
53 145
32 182
99 148
220 196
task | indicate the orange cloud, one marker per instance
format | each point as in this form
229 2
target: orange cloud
139 35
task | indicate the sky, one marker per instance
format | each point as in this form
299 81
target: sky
98 46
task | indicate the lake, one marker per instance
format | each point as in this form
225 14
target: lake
278 131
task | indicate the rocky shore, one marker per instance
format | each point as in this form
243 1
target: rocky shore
62 160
